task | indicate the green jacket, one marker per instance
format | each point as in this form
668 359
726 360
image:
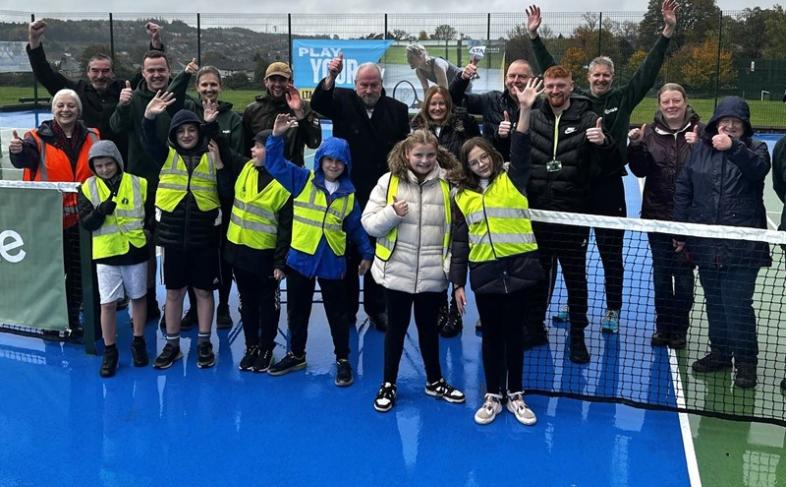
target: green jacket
128 119
616 105
230 125
779 176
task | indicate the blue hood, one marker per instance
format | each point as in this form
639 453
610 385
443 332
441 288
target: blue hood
337 149
731 106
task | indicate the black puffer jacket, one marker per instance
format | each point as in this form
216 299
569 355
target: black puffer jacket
725 188
659 155
187 226
260 115
456 130
566 189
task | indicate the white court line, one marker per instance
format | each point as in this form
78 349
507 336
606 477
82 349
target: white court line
687 436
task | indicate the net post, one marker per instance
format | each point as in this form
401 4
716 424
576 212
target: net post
88 290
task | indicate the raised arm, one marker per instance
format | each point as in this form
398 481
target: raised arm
152 143
292 177
542 55
639 157
323 98
52 80
308 130
24 152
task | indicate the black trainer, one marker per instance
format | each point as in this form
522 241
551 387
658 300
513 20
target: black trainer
190 319
139 352
386 397
205 356
264 361
443 390
168 356
343 373
660 339
712 362
746 376
248 360
578 349
289 363
109 363
223 320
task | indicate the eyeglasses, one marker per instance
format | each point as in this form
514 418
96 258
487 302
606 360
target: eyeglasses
484 158
730 122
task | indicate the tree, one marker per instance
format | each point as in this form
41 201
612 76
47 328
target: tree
698 66
423 35
696 20
444 32
519 46
398 34
776 33
575 60
90 51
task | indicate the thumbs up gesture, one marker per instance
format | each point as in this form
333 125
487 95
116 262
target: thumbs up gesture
16 145
400 207
636 134
192 67
595 134
126 94
336 65
693 136
505 125
471 69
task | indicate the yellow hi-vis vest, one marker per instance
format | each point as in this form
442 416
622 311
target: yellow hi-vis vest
386 245
312 217
254 219
498 221
125 226
174 183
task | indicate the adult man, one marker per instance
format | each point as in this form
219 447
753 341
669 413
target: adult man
282 97
615 107
127 118
567 143
498 109
372 123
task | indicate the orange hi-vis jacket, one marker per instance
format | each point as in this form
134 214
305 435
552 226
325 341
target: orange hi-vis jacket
54 166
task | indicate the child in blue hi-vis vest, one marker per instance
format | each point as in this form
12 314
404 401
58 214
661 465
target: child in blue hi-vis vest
325 216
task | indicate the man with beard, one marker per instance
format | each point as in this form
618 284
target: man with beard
372 123
498 109
282 97
567 141
615 107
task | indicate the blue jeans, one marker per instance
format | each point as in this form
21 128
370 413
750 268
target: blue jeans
673 282
732 321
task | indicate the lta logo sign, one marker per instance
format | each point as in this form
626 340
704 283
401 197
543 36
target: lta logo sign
11 247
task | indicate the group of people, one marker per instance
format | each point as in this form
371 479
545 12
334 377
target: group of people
411 206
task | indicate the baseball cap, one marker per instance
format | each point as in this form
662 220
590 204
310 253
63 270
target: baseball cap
278 69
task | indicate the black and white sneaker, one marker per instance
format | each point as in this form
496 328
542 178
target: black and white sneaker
343 373
386 397
250 357
443 390
169 355
264 361
205 356
289 363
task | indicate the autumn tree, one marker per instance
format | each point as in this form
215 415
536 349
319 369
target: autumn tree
698 66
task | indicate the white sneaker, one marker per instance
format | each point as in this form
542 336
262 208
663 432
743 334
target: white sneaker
492 406
519 408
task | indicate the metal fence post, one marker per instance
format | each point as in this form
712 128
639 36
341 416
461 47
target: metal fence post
600 32
385 33
35 87
488 39
717 60
199 39
289 36
111 38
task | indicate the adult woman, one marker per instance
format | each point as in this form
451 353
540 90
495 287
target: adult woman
658 152
434 69
723 184
57 151
452 130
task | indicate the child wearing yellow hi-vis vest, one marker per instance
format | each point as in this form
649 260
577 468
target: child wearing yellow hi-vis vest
493 237
112 207
409 214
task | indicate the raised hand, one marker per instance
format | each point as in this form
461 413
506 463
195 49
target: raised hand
212 147
34 32
126 94
721 142
529 94
693 136
471 69
595 134
669 12
158 104
283 122
209 110
292 95
534 20
636 134
505 125
17 144
192 67
336 65
154 31
400 207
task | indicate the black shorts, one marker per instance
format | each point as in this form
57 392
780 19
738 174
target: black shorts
197 268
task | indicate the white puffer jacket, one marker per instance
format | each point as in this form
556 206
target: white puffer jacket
417 263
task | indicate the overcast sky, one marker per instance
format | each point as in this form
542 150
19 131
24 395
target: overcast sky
341 6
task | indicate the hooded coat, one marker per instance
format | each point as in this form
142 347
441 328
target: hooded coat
324 263
725 188
457 129
91 218
187 226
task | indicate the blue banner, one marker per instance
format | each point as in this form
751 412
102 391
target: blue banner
311 57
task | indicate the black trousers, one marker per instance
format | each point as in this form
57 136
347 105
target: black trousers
300 296
399 305
73 274
503 351
258 310
608 198
673 282
568 245
373 293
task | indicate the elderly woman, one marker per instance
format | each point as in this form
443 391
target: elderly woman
57 152
658 152
722 184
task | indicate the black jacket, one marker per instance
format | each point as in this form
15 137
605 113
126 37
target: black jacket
187 226
459 128
501 276
261 114
566 189
370 139
725 188
659 155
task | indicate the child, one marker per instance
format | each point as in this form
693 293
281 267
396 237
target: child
188 218
409 214
112 207
324 214
493 235
260 228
